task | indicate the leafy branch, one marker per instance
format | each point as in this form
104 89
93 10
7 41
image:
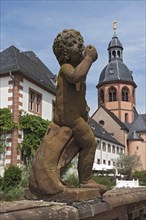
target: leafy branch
6 120
34 128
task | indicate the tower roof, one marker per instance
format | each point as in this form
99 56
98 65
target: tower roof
115 42
116 70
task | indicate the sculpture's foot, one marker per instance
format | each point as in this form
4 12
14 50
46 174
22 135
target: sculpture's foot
48 191
92 184
36 193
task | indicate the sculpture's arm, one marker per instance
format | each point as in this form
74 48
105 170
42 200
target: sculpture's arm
86 114
78 74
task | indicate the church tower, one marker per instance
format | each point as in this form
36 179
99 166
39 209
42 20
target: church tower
116 87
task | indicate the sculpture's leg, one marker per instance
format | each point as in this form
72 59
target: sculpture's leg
84 137
70 151
45 176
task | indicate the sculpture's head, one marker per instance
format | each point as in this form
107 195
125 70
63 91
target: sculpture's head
68 47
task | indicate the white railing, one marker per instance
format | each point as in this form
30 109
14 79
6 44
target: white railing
127 183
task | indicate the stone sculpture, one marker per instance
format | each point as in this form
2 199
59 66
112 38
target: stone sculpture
69 134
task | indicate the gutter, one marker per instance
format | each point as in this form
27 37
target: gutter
12 77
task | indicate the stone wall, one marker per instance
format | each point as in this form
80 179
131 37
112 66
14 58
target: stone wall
118 204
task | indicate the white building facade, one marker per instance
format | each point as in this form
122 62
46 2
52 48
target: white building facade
25 85
108 148
106 154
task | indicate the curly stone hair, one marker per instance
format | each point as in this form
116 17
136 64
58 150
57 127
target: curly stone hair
64 40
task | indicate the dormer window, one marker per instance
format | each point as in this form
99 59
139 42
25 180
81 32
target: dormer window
111 71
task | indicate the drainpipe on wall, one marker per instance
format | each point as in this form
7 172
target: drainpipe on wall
12 77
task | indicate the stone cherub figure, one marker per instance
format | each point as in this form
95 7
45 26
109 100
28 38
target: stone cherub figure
69 134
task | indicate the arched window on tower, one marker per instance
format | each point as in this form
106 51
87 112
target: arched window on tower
125 92
114 54
112 94
110 55
118 53
102 96
126 117
133 93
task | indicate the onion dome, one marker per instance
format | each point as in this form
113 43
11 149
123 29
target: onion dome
115 42
116 70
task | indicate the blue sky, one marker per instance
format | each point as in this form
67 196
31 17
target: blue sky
33 25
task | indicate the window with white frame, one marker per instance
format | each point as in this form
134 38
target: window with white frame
98 145
113 149
109 148
98 161
35 102
104 146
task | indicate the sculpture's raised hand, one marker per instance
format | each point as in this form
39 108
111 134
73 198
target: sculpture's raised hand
91 52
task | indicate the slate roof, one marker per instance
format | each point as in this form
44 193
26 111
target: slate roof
139 124
133 135
136 127
12 59
144 117
116 70
100 132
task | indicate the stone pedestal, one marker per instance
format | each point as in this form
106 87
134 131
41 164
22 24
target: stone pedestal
69 194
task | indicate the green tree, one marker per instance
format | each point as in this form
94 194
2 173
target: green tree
6 124
12 177
127 164
141 175
34 128
6 120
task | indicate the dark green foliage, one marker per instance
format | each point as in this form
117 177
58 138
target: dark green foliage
141 175
1 148
1 182
14 190
6 120
12 177
34 128
6 124
25 176
12 194
105 180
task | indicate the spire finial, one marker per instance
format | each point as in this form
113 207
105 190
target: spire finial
114 25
